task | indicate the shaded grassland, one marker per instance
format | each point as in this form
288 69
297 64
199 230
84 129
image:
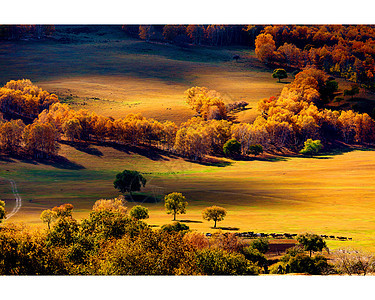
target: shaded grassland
333 196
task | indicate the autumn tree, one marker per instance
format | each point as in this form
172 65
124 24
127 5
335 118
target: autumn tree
113 205
40 139
215 213
21 98
195 33
11 135
129 181
207 103
279 74
72 129
175 203
2 211
48 216
139 212
146 32
265 47
63 211
192 142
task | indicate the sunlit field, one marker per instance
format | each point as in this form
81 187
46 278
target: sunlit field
113 75
333 195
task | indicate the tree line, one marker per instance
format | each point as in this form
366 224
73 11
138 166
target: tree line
345 51
15 32
286 122
213 35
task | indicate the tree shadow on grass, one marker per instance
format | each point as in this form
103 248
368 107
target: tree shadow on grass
189 221
6 158
263 158
83 147
212 162
58 162
227 228
150 152
340 148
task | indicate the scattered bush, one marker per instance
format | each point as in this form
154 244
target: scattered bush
311 147
232 148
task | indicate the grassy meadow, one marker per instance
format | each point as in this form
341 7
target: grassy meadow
114 75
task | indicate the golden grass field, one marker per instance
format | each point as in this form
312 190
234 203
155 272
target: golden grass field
332 195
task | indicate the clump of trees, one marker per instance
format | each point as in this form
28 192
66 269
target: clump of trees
341 50
286 122
292 118
207 103
110 242
23 99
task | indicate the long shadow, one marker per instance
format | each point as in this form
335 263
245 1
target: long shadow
211 162
83 147
267 159
5 158
190 221
58 162
227 228
340 149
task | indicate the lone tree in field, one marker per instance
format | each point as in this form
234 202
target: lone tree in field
129 181
311 147
311 242
139 212
280 74
232 148
48 216
215 213
2 210
175 203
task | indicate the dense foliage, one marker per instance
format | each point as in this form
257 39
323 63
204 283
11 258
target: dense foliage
346 51
109 242
286 122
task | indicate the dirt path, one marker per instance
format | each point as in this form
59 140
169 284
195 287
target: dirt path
17 198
